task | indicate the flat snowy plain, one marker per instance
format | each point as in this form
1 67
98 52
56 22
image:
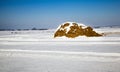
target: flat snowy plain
38 51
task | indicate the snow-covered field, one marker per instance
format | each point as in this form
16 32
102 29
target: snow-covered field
38 51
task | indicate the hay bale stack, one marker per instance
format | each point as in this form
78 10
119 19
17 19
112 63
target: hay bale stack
72 30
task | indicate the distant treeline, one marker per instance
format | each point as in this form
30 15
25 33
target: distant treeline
110 26
22 29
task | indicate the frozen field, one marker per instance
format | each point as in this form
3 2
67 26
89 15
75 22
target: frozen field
38 51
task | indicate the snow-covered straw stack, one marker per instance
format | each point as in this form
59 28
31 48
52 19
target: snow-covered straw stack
73 29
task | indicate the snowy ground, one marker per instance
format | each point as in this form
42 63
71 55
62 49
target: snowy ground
38 51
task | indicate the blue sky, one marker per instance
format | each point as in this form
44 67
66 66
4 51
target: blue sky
17 14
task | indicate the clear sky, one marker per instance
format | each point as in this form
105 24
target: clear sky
17 14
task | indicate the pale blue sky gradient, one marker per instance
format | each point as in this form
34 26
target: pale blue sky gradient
18 14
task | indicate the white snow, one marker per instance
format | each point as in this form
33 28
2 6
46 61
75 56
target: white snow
39 51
